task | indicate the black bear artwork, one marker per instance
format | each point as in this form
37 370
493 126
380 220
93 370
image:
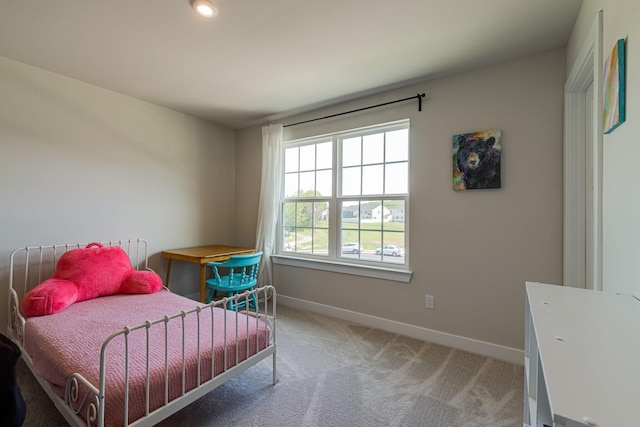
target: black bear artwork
476 160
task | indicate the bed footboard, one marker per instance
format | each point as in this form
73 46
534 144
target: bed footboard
182 383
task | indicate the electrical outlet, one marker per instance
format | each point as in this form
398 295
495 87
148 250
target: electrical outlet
429 301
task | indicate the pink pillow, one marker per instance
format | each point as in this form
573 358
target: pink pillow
88 273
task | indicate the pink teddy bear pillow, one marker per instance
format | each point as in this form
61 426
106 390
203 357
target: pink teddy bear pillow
87 273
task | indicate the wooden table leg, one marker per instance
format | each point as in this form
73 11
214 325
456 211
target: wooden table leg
203 278
166 283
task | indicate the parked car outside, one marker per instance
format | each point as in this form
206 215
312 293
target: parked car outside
392 250
351 248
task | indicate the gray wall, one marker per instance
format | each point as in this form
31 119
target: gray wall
621 204
79 163
472 250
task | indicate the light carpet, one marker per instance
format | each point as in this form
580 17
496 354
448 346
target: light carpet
335 373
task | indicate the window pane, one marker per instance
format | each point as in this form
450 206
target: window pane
289 215
304 215
373 148
324 155
370 242
351 181
322 215
396 215
291 185
307 184
372 179
308 157
321 242
291 159
324 184
392 250
351 152
351 246
397 178
350 213
304 240
289 239
397 145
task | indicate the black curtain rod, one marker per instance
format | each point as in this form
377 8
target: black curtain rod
418 97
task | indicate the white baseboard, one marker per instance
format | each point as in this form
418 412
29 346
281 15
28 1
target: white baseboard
496 351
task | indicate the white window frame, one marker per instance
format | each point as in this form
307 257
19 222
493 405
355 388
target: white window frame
333 261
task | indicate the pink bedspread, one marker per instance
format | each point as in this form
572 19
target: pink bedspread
70 341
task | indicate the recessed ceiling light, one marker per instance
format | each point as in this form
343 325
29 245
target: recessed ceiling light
205 8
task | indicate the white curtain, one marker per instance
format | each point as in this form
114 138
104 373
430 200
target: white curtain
270 188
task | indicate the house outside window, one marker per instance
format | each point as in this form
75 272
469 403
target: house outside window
346 197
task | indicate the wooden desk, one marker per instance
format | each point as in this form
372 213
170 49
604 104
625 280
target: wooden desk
202 255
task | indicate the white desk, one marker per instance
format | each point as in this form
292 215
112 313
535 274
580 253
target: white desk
582 358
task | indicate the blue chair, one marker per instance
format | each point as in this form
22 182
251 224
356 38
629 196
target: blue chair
239 273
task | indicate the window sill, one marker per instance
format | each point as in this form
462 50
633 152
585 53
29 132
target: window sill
344 268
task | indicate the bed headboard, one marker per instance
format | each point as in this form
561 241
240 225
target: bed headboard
31 265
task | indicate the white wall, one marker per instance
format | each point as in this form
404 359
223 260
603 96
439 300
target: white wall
472 250
79 163
621 204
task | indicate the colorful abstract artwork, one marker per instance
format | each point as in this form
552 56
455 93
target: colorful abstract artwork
476 160
614 88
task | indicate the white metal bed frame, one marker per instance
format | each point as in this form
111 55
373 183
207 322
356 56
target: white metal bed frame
79 392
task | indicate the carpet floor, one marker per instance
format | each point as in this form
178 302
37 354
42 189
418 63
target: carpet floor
336 373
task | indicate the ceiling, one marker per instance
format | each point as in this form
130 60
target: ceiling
263 59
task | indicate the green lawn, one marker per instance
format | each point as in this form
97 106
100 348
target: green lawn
369 235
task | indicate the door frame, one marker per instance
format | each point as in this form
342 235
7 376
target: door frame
582 265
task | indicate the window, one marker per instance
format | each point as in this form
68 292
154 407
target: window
346 196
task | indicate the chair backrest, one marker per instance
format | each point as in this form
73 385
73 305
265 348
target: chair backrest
243 269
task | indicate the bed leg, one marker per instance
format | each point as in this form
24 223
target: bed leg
275 376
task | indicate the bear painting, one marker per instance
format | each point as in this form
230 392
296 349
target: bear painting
476 160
